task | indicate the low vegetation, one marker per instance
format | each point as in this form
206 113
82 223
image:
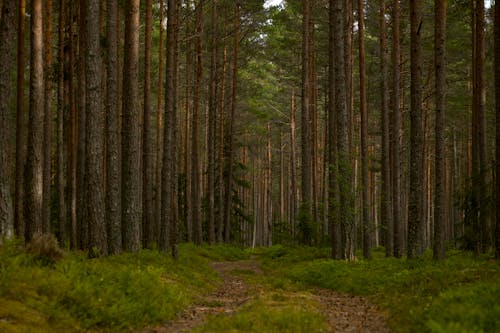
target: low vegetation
457 295
106 294
41 293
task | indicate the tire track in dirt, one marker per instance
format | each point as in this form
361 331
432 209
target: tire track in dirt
344 313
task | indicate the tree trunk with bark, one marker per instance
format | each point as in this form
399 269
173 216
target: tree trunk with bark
386 189
440 152
367 228
95 135
147 138
8 37
34 163
415 211
397 216
113 161
47 122
497 100
131 190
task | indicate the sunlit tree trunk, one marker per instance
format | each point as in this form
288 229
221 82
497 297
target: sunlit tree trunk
131 191
34 163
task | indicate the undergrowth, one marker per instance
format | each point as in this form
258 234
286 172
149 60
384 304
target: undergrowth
460 294
115 293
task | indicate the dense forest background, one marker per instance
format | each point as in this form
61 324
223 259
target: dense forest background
131 124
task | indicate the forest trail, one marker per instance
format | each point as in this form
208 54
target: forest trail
242 284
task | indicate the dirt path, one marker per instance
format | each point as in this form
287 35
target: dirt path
345 313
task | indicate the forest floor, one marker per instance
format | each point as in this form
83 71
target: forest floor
245 284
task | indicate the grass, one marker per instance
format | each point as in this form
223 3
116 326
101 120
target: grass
278 306
116 293
460 294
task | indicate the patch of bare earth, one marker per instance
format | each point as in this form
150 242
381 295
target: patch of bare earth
233 294
345 313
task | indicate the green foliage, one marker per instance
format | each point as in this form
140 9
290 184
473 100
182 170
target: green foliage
115 293
458 295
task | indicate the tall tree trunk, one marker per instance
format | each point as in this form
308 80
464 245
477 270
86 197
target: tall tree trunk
47 122
306 154
415 211
188 153
159 127
195 164
34 164
95 135
480 73
220 218
131 189
367 228
72 150
396 135
113 161
147 138
82 221
8 37
343 156
440 152
293 164
60 178
497 105
230 156
19 223
386 209
212 118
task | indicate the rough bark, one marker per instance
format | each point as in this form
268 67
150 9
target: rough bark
396 134
159 127
8 37
95 135
306 153
147 138
195 163
131 189
220 218
19 225
34 163
367 228
47 122
212 118
82 229
293 164
344 171
440 86
113 161
386 207
415 218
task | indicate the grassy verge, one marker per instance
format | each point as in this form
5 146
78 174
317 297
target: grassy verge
460 294
107 294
